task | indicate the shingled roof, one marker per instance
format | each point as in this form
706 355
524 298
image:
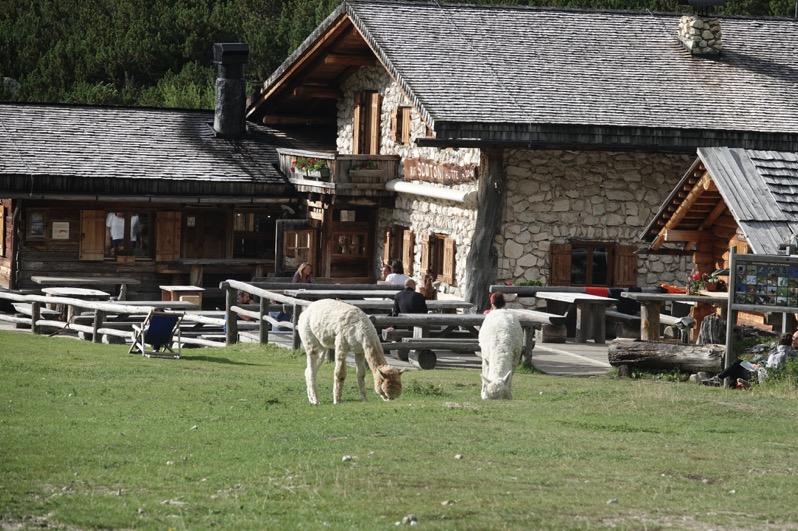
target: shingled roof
552 75
105 150
760 189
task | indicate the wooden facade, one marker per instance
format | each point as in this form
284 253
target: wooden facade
162 244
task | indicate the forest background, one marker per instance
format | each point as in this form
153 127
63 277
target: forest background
158 52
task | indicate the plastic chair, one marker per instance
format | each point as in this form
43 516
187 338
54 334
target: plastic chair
157 331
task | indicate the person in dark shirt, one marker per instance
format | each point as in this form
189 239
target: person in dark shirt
408 300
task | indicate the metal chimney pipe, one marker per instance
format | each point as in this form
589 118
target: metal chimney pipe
229 118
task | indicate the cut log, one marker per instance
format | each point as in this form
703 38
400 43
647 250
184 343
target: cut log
666 356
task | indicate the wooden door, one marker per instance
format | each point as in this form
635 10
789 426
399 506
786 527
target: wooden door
206 234
408 251
92 235
167 236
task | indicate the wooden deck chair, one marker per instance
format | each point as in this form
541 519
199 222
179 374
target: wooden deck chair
157 331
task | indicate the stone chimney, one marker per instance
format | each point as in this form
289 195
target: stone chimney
700 35
229 118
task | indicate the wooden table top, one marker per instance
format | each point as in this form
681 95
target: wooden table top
573 297
75 292
82 281
387 304
162 304
718 299
341 294
181 288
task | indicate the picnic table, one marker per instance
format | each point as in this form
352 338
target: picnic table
316 294
590 312
122 282
77 293
192 294
651 306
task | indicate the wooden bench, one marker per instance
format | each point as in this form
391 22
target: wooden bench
626 326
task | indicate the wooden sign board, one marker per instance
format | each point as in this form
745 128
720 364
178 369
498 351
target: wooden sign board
434 172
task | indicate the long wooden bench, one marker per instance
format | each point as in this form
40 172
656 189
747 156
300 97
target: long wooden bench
424 325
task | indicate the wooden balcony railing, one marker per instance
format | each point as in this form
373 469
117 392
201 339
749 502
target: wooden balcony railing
334 173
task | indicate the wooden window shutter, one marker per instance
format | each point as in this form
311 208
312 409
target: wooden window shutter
448 261
374 129
92 234
424 254
2 230
357 114
560 261
405 118
167 236
395 131
408 251
625 267
386 247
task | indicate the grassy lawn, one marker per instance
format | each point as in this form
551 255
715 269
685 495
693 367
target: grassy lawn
92 437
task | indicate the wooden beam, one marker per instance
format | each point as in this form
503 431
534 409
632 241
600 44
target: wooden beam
672 235
286 119
681 211
709 184
349 59
336 29
321 93
714 215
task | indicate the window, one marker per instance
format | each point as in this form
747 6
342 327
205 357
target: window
37 225
128 233
438 257
592 263
253 235
366 130
298 247
350 244
400 125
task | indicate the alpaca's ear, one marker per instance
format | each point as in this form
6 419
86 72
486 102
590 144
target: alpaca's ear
485 381
507 377
386 373
403 370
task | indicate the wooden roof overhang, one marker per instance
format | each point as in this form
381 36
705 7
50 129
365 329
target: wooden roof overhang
600 137
141 189
304 90
694 212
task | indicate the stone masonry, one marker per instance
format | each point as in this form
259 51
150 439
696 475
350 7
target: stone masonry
554 196
701 36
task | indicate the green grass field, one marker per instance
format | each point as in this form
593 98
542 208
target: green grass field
93 437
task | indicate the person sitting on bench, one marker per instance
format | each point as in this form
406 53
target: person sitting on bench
408 300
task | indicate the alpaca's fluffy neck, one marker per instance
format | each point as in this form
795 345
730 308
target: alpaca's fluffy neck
372 350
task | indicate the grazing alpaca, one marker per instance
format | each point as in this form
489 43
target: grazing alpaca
501 341
327 324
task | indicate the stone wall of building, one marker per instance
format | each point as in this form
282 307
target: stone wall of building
554 196
420 214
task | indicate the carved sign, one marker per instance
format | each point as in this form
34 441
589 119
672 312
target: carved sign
441 173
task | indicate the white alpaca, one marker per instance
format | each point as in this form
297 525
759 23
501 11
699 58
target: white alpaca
501 341
327 324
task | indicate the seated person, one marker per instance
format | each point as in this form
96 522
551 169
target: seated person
784 351
398 274
742 372
408 300
496 302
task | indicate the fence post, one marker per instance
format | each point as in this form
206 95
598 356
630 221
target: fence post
263 325
295 319
230 317
35 315
99 316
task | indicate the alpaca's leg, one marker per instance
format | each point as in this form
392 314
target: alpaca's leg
340 369
360 359
315 359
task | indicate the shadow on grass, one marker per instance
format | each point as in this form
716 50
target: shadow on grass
212 359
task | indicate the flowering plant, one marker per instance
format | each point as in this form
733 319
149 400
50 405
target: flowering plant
307 164
702 281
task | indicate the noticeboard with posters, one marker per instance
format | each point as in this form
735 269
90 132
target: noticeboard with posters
766 282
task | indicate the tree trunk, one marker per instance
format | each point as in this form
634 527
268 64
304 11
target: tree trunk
483 259
649 355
